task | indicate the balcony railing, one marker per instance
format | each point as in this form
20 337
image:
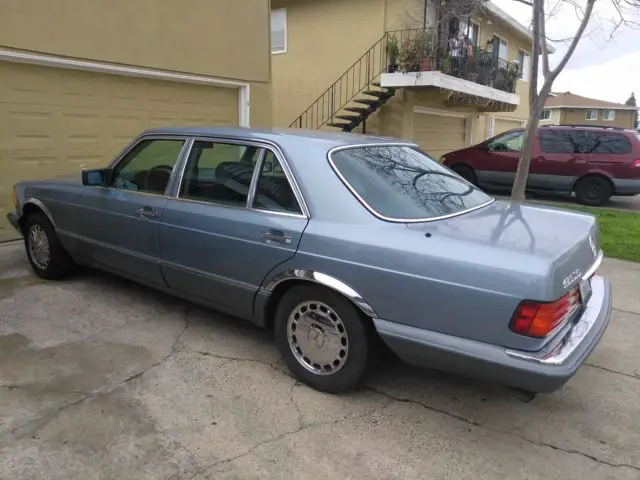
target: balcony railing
420 49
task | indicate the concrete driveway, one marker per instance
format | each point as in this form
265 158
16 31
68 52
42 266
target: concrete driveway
100 378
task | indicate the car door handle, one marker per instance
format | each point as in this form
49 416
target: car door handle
275 236
147 212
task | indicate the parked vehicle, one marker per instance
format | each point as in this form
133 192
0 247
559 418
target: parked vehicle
593 162
334 242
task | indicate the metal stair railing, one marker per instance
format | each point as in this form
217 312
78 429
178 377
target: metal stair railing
352 82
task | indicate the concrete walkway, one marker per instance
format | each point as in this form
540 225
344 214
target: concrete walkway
101 378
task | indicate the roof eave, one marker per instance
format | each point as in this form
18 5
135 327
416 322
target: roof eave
599 107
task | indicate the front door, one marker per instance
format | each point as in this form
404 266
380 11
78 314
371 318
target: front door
498 163
118 225
235 219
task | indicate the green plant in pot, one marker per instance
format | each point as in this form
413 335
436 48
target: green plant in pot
409 57
393 51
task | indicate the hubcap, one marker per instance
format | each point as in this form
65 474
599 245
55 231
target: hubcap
317 337
39 247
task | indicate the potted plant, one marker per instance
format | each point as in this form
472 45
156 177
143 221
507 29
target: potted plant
446 64
408 57
393 50
426 50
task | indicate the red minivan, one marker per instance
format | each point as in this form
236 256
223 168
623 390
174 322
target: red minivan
594 162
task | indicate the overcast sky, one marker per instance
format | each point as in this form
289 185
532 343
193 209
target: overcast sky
603 68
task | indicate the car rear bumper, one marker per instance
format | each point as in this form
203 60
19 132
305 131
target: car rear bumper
14 221
626 186
543 371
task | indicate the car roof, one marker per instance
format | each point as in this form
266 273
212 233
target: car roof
282 136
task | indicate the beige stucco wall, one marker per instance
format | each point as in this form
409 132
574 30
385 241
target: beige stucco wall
217 38
324 38
623 118
199 37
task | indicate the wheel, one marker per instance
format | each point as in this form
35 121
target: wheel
326 342
465 172
45 252
593 191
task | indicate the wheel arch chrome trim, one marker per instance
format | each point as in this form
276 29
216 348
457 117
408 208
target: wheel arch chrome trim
328 281
38 203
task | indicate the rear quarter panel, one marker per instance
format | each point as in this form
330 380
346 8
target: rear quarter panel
435 284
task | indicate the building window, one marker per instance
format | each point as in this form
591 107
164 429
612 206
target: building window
545 114
608 115
525 64
500 48
471 30
279 30
591 115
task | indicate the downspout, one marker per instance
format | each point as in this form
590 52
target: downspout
425 14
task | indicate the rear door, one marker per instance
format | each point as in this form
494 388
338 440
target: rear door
498 163
235 218
560 157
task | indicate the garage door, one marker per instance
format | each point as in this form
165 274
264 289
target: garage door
501 125
55 121
438 134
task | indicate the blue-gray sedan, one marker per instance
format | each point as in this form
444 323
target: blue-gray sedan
339 244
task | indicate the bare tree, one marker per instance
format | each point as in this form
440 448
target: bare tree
540 58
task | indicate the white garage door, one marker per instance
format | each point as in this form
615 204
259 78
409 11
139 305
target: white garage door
439 134
55 121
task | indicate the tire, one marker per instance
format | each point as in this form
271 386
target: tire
47 256
593 191
465 172
331 370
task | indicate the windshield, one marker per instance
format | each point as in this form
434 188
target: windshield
402 183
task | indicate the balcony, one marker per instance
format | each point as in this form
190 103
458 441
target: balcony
416 58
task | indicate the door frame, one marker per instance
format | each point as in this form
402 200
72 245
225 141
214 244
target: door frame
469 120
490 126
244 108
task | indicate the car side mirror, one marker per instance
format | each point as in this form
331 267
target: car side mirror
96 177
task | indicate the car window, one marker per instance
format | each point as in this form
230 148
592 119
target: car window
510 142
563 141
273 190
219 172
608 143
148 166
403 183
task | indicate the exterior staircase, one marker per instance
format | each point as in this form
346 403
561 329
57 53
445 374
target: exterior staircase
354 97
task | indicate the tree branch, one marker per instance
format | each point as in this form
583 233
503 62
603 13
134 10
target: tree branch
574 43
535 56
543 38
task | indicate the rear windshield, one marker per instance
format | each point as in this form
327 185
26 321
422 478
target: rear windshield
402 183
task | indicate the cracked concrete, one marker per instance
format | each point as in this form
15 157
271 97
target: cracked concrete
101 378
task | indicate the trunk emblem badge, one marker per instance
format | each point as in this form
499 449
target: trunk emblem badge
572 277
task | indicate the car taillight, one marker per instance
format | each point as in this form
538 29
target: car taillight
536 319
636 164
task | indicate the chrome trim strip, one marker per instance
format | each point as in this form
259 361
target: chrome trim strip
576 335
370 208
41 206
327 281
594 267
253 186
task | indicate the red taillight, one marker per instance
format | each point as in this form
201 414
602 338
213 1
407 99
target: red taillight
535 319
636 164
